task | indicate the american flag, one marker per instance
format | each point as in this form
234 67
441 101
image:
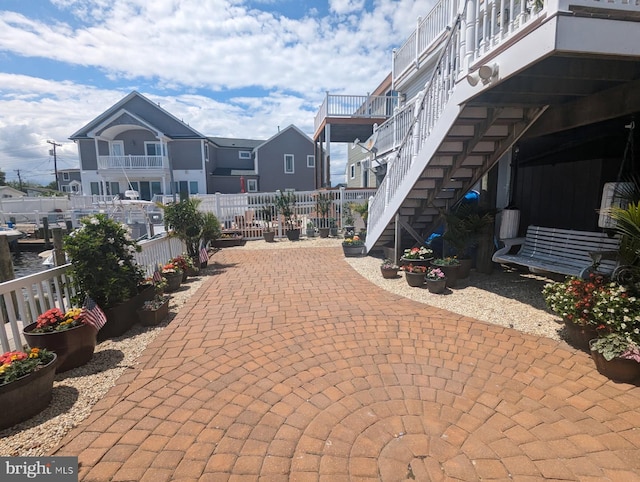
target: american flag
93 315
204 255
157 275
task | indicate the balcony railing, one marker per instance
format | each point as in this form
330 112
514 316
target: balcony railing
133 162
428 31
362 106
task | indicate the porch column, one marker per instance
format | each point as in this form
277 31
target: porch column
326 182
467 39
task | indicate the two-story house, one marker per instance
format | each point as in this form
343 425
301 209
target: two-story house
70 181
136 145
531 102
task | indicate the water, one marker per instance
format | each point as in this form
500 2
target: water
26 263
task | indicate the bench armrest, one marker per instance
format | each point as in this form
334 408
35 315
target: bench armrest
508 244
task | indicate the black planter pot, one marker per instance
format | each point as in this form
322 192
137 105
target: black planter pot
174 280
74 346
324 232
450 271
617 369
415 280
293 234
269 236
579 336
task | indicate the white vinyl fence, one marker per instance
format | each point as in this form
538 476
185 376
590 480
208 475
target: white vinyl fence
22 300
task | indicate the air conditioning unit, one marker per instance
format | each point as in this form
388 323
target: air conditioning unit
612 196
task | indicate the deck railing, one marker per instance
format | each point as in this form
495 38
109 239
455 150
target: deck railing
23 299
133 162
360 106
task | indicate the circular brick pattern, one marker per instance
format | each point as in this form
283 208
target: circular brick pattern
289 366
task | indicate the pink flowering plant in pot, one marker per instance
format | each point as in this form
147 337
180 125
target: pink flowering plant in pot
435 274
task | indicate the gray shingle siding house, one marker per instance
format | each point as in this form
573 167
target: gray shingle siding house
70 181
137 145
286 161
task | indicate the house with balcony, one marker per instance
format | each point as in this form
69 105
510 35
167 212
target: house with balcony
70 181
136 145
530 103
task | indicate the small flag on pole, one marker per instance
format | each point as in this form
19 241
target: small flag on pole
204 255
93 315
157 275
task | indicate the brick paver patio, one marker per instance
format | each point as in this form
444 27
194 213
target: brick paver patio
288 365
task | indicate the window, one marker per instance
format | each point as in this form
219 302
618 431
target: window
352 171
288 164
65 176
153 148
252 185
311 161
244 154
95 188
193 187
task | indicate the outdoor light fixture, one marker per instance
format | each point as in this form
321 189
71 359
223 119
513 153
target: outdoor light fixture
486 73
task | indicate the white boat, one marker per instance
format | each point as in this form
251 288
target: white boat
11 234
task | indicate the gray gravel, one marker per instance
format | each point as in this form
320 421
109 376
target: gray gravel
507 298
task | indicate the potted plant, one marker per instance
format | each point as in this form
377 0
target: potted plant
363 210
184 264
323 207
464 227
353 247
349 228
417 256
333 227
286 204
172 273
152 312
436 280
389 269
267 216
69 335
573 300
182 219
103 268
311 229
211 231
449 266
26 383
617 357
414 274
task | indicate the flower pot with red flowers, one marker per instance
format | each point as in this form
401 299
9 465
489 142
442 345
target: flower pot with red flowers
26 383
415 275
418 256
68 334
173 275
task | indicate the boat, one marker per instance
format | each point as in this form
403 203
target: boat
11 234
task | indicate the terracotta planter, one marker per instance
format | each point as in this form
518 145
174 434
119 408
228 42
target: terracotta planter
174 280
353 251
415 280
618 369
153 317
74 347
389 273
27 396
436 286
269 236
579 336
324 232
451 272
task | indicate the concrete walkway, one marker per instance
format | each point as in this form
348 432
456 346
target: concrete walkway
288 365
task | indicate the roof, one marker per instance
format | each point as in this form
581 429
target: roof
236 143
280 132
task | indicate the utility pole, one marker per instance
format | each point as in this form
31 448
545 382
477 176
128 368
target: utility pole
55 162
19 179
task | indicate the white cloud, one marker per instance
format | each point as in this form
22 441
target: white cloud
211 53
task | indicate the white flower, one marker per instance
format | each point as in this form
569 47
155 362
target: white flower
94 221
111 240
120 262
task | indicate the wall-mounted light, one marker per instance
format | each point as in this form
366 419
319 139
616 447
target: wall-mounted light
486 73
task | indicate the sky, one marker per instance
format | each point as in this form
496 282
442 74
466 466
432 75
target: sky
228 68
